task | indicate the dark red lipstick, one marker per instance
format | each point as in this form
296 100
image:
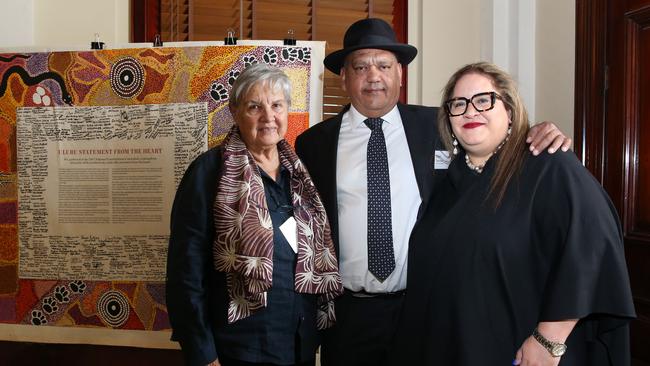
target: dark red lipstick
472 125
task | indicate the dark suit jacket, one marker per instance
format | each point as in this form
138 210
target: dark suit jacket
317 148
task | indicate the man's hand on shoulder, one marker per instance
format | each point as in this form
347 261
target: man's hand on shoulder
546 135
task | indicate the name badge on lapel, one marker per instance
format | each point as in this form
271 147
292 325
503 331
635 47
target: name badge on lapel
441 159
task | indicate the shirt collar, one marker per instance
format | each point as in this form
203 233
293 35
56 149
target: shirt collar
281 176
357 119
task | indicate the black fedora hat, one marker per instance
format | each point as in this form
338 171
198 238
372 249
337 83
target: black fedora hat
370 33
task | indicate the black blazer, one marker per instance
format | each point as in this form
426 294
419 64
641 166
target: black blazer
317 148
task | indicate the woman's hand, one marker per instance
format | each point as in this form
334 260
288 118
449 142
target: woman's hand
532 353
214 363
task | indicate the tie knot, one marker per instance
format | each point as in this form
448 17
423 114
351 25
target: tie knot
373 123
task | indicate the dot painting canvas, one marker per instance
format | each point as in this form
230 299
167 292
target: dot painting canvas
119 77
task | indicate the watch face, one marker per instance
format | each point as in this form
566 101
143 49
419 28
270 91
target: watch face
558 350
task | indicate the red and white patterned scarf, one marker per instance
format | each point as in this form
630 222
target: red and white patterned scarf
243 245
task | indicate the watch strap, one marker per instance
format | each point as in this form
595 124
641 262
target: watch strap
556 349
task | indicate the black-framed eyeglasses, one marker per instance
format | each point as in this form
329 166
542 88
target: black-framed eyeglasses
482 102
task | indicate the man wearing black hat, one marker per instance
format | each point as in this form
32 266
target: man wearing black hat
373 167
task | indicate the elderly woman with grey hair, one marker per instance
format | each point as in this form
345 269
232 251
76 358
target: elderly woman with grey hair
251 268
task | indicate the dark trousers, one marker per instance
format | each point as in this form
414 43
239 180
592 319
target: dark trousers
225 361
364 330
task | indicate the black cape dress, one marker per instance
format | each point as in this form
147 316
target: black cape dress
480 278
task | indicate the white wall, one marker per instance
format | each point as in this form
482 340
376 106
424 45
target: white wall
508 40
447 35
534 40
62 23
556 62
16 23
75 22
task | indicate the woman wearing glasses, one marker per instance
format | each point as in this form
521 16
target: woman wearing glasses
251 268
519 259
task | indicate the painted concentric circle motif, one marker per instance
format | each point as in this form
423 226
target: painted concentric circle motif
113 308
127 77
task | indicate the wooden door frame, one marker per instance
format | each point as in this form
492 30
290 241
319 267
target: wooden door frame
590 84
605 160
145 20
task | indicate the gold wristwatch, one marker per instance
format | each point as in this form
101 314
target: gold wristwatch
556 349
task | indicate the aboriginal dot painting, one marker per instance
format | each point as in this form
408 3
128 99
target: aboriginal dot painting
107 78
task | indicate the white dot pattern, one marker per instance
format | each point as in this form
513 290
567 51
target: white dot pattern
381 258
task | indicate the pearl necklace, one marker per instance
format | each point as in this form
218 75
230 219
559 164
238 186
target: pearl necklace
477 168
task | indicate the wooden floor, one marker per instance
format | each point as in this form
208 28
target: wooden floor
27 354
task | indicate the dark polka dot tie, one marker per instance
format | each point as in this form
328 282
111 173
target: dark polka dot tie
381 260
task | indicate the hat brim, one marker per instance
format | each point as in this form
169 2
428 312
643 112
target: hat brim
405 53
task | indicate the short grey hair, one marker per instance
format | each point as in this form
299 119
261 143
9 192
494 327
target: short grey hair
259 74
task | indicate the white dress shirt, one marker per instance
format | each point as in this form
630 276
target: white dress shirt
352 193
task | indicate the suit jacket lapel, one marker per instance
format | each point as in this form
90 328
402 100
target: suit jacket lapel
330 141
420 147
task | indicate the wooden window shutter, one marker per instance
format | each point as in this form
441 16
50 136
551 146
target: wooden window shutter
174 20
273 18
211 20
316 20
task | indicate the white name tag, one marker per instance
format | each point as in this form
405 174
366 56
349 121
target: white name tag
289 231
441 159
